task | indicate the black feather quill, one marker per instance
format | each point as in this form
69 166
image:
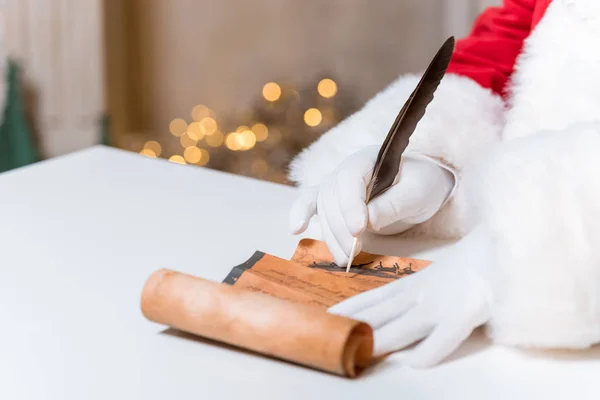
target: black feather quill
390 155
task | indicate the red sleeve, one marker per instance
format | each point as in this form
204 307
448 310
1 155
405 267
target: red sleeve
488 54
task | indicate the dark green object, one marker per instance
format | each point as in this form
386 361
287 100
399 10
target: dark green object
17 147
105 130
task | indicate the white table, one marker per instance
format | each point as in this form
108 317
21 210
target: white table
80 234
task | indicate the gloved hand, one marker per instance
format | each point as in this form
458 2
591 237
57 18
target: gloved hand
442 304
421 188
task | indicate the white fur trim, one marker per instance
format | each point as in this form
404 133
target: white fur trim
556 82
462 120
540 198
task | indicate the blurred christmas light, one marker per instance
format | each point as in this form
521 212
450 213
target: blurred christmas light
178 127
194 132
246 140
313 117
148 153
153 146
281 123
259 167
231 141
192 154
215 140
271 91
200 112
208 125
204 157
327 88
261 132
177 159
187 141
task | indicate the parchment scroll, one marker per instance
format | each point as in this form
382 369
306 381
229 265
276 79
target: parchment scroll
277 307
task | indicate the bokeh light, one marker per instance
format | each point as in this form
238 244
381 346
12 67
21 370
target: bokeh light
195 131
215 140
313 117
271 91
177 159
192 154
187 141
148 153
270 130
154 147
231 141
178 127
204 157
208 126
246 139
260 131
200 112
327 88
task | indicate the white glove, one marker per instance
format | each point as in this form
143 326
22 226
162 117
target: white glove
421 188
442 303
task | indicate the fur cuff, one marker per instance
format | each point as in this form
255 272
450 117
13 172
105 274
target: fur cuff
540 198
462 120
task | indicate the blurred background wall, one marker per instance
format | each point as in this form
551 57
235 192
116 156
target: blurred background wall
59 47
235 85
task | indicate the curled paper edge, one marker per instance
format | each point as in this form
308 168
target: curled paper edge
297 333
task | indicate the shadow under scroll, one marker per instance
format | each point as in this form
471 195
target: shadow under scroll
213 343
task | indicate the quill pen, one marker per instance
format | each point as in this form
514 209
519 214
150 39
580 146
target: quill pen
390 155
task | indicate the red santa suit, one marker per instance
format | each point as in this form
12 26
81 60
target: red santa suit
516 118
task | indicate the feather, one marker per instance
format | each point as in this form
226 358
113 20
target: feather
390 154
388 160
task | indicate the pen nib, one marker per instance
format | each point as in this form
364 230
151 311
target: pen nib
354 244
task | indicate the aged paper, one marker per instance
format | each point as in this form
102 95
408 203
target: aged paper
278 307
312 278
294 332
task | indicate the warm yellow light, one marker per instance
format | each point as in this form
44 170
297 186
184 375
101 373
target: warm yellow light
178 127
187 141
195 131
215 140
153 146
177 159
271 91
205 157
208 125
312 117
231 141
242 128
192 154
246 140
200 112
327 88
148 153
259 167
261 132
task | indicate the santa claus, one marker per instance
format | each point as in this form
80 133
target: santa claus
507 158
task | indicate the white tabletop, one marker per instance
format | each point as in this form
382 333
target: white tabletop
80 234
